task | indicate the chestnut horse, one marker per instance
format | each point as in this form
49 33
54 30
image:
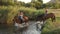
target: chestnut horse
19 24
17 20
42 18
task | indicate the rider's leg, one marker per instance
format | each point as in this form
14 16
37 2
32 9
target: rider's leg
21 18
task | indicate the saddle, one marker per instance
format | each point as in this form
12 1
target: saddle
22 21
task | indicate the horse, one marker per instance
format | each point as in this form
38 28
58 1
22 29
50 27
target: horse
42 18
17 20
19 24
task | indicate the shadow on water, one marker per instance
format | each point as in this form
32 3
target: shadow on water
4 29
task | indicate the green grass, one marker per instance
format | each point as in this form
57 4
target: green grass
52 27
57 31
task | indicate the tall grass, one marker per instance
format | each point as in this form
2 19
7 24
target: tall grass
52 27
8 13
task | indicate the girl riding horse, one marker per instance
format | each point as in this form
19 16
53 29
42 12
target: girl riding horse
21 22
46 11
20 16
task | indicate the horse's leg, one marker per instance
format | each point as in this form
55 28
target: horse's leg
37 25
53 19
43 25
40 25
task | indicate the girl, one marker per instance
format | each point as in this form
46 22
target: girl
46 12
20 16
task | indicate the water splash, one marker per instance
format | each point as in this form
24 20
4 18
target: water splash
32 29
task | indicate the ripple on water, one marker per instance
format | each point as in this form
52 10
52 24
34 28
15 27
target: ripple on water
31 32
32 29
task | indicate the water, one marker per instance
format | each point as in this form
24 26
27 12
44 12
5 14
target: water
32 29
5 29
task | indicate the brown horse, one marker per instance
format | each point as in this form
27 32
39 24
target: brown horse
17 21
44 18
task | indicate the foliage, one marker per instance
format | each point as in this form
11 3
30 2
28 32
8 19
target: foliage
52 27
8 13
9 9
31 12
36 4
6 2
54 5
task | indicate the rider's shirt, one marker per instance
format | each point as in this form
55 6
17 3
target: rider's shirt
46 11
21 16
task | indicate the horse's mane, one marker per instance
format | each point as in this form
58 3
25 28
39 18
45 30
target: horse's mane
40 15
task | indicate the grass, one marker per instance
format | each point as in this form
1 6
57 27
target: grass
52 27
57 31
55 11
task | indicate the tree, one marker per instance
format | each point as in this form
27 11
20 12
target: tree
40 1
38 5
6 2
34 3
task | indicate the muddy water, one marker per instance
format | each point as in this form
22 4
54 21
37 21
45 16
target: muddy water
32 29
10 30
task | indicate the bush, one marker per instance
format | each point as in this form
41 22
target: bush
9 12
31 12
